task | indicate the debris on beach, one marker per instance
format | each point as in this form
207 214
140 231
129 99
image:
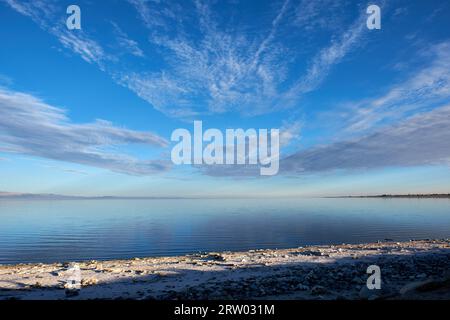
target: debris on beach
409 270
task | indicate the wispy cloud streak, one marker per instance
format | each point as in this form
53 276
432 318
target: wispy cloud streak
423 139
124 41
30 126
43 13
424 89
225 72
208 68
325 60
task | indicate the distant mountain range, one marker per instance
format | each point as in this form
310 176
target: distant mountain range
50 196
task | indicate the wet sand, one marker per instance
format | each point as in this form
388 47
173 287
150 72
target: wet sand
409 270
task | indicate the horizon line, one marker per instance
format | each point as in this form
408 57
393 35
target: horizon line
52 196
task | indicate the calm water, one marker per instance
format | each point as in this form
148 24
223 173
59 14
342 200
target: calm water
49 231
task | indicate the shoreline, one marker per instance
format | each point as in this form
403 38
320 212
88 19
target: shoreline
417 269
398 196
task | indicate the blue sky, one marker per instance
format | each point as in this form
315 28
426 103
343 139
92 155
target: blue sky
91 111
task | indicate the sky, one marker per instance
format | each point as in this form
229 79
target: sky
91 111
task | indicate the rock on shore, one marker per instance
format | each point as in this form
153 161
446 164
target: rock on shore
409 270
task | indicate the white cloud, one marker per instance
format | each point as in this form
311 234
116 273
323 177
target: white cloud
126 43
86 48
151 17
312 16
30 126
217 73
379 139
44 14
322 63
222 71
423 139
210 67
425 88
290 132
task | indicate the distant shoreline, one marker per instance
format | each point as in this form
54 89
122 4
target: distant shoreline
434 196
43 196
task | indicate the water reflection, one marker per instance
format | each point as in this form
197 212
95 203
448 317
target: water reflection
47 231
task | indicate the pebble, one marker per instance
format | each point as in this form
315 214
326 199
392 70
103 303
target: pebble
322 280
89 282
316 290
302 287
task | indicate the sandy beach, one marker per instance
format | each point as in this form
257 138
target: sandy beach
409 270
